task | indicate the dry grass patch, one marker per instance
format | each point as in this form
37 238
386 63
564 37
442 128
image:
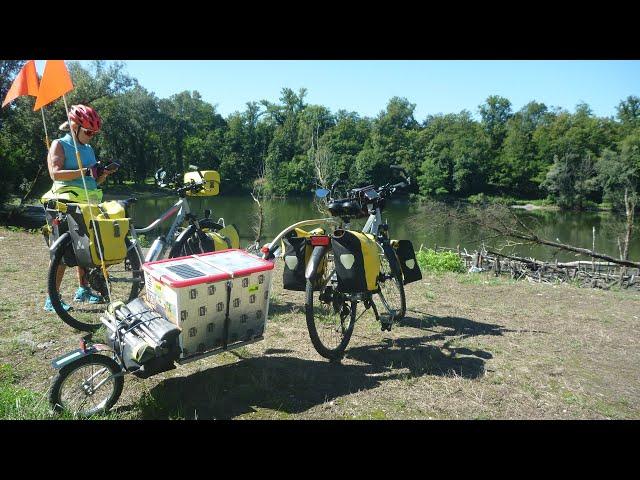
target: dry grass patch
472 346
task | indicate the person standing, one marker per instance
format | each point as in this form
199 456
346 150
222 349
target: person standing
84 124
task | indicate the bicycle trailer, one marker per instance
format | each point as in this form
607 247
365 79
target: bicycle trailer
219 300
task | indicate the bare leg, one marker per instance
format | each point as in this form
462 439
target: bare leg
82 278
59 275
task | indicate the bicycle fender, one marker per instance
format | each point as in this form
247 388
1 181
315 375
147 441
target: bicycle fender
76 355
190 230
65 237
317 255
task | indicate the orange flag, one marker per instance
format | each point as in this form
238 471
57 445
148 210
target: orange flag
26 83
55 82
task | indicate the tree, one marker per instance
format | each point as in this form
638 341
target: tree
495 113
629 112
571 180
455 156
518 166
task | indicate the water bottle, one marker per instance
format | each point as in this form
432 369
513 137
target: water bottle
157 247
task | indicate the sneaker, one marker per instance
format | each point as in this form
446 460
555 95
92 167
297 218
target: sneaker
48 307
84 294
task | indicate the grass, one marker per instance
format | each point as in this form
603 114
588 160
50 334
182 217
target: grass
17 403
472 346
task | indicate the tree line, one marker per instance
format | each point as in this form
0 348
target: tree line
574 159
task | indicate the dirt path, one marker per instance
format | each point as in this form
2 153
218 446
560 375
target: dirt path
472 346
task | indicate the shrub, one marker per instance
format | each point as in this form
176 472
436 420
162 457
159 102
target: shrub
440 261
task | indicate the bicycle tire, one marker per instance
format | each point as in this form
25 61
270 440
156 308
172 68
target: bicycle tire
395 293
313 321
56 393
56 301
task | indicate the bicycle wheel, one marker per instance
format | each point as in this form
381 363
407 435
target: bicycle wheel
330 314
126 281
87 387
391 286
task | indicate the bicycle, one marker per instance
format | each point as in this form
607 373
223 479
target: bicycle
126 279
330 310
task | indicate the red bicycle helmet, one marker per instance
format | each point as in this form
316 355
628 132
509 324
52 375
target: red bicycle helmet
86 117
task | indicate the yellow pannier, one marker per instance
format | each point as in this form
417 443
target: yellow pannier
357 260
110 232
212 181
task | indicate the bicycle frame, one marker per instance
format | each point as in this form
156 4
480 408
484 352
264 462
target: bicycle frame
181 209
371 226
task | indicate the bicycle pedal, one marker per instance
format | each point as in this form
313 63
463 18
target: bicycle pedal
386 320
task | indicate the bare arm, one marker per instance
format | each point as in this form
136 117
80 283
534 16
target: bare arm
55 161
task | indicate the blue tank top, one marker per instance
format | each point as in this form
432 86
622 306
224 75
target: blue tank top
87 156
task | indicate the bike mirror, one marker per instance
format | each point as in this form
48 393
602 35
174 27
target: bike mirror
160 175
322 192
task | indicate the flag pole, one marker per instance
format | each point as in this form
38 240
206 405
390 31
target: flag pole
48 144
46 134
86 192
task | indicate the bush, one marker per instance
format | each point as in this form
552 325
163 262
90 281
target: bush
440 261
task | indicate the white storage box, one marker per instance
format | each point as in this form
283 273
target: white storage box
217 299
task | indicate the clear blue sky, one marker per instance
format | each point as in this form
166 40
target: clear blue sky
366 86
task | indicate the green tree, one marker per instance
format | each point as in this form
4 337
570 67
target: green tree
455 156
495 113
571 180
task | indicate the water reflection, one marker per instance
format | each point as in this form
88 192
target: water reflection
423 225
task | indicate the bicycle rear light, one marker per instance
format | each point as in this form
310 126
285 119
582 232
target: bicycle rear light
320 240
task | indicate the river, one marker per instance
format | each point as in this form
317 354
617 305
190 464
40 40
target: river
411 221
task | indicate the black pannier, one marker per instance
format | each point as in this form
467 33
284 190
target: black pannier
297 251
55 231
408 261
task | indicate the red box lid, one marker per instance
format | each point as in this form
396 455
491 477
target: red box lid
236 262
184 272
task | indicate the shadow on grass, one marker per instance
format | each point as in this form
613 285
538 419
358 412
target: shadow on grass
287 385
457 326
278 307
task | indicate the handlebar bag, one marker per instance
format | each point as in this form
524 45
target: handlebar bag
408 262
211 179
297 251
107 233
357 260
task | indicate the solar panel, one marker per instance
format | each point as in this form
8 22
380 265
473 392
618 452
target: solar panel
185 271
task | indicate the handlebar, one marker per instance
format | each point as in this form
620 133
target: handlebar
179 187
383 191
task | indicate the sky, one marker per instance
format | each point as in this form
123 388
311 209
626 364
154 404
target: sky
365 86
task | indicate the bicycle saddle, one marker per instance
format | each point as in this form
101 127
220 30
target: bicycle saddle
346 208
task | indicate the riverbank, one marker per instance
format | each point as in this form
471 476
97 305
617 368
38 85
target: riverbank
471 346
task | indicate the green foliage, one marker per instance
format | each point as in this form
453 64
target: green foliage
439 262
143 241
571 180
290 147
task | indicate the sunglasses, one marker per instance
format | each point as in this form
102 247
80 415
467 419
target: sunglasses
88 133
